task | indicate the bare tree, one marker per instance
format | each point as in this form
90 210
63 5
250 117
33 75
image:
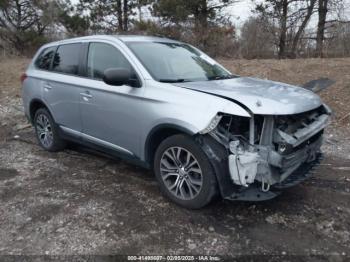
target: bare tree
258 38
23 22
322 16
277 11
283 34
292 18
125 15
305 20
120 15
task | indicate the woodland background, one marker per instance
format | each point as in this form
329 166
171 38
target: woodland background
276 28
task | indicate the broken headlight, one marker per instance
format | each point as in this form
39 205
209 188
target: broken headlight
212 125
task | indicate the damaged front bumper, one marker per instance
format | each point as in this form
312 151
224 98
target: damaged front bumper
278 154
256 192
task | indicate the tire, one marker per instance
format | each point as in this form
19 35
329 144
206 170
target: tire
178 180
45 126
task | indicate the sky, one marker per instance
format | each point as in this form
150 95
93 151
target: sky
241 11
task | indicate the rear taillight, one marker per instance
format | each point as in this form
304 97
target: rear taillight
23 77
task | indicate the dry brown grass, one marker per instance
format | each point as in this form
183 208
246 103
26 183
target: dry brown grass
298 71
10 73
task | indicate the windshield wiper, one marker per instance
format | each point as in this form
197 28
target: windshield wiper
178 80
222 77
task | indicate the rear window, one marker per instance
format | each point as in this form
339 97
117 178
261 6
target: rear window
67 59
44 59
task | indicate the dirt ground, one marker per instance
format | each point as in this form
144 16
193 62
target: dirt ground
78 202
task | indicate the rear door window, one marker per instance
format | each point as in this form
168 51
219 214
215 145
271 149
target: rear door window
44 59
66 59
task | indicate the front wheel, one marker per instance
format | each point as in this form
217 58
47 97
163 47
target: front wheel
184 172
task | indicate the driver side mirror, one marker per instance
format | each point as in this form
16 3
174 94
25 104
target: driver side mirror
116 76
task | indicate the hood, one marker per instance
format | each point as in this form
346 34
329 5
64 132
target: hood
260 96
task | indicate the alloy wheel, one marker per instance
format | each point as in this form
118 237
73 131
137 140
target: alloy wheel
181 173
44 130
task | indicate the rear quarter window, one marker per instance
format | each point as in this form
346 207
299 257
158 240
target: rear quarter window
44 59
66 59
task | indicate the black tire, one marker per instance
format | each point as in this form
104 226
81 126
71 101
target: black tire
208 188
57 143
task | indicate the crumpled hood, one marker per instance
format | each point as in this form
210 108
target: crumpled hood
260 96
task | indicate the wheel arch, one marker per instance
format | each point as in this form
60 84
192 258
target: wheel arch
158 134
34 105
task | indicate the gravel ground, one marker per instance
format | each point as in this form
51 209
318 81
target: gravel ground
80 202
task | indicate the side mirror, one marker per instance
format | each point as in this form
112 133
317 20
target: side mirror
116 76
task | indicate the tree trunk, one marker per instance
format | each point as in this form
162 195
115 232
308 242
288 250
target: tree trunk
283 33
322 16
203 15
125 15
120 15
139 9
301 29
200 12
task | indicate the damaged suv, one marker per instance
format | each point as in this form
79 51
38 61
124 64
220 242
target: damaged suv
166 105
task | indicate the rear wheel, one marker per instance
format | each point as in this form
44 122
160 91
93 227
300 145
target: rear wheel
47 131
184 172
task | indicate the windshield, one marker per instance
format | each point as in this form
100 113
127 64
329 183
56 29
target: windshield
177 62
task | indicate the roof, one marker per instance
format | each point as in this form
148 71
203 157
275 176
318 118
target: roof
124 38
143 38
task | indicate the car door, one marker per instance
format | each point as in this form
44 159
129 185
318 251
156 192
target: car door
110 114
63 87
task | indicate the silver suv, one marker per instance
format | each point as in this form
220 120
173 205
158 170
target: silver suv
166 105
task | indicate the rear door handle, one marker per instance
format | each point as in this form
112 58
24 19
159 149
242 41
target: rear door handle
47 87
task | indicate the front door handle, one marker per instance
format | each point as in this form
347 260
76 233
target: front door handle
86 95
